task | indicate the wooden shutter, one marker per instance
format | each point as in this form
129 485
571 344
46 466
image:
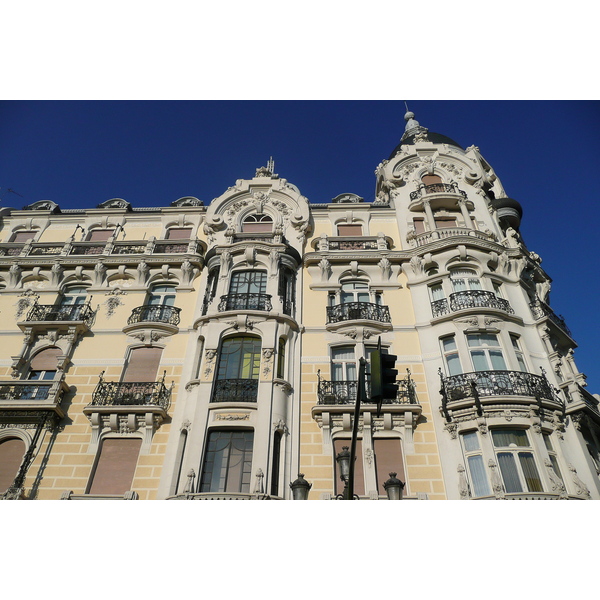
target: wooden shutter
11 455
349 230
179 233
388 459
142 364
100 235
431 179
46 360
359 477
116 466
22 237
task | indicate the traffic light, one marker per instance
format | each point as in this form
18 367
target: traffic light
383 377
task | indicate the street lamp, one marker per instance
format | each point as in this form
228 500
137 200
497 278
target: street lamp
300 488
393 487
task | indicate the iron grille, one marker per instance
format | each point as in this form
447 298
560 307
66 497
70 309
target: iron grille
131 393
540 309
69 312
498 383
235 390
155 314
437 188
352 244
344 392
245 301
25 390
357 311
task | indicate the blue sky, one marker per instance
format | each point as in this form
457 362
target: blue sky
150 153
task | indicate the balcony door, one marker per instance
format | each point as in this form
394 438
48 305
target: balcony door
238 371
159 303
248 282
464 279
355 291
71 303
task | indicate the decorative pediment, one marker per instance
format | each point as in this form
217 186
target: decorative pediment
43 205
347 198
187 201
115 203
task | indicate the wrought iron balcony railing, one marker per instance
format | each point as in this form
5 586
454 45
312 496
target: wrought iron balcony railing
69 312
540 309
351 311
470 299
436 188
235 390
245 302
497 383
131 393
26 390
155 314
344 392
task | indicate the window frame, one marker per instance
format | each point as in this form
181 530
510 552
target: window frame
487 351
478 486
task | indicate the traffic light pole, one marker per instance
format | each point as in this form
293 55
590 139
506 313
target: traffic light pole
361 393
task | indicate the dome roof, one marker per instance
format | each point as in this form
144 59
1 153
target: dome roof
499 203
413 129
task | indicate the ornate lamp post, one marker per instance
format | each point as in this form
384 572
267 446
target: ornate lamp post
300 488
393 487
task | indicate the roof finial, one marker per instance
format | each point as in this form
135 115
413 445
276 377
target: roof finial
271 165
412 125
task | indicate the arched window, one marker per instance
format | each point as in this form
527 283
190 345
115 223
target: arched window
257 224
12 450
42 368
238 370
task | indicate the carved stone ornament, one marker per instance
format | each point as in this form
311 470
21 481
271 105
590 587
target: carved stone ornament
369 455
580 488
26 300
259 488
113 301
209 356
115 203
188 201
463 486
451 428
557 483
325 267
496 480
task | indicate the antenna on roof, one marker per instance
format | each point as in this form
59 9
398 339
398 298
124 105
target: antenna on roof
406 106
271 165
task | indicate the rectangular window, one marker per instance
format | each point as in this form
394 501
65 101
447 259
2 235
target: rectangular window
551 454
476 467
388 459
436 292
281 359
451 357
227 461
518 353
485 351
248 282
142 365
444 222
419 225
343 364
350 230
516 461
116 466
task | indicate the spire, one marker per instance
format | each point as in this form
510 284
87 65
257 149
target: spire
412 125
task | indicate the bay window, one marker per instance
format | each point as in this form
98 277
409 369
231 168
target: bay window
485 351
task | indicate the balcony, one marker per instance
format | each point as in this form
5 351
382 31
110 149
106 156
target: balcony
148 313
24 396
427 237
361 311
436 188
131 394
344 392
470 299
245 302
468 389
66 313
341 243
87 248
540 310
235 390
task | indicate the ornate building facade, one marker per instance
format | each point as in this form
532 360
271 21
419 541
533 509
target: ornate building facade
213 352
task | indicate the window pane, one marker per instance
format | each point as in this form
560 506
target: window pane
343 353
478 476
437 292
471 441
555 466
510 476
473 339
453 362
503 438
497 359
449 343
547 442
480 362
532 479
